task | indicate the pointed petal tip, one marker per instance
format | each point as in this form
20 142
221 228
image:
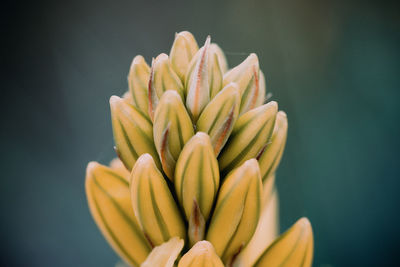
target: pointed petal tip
273 103
253 58
182 33
204 243
203 247
304 222
114 100
146 157
281 114
208 40
137 60
202 136
270 106
170 97
161 56
91 166
251 164
171 93
202 139
281 119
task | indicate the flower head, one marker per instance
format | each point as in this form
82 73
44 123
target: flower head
198 150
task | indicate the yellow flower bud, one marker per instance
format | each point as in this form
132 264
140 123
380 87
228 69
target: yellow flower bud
162 78
242 73
201 254
138 81
109 202
272 154
133 132
246 75
197 178
213 66
237 210
221 57
186 124
293 248
182 52
172 129
248 136
198 89
220 115
165 254
153 204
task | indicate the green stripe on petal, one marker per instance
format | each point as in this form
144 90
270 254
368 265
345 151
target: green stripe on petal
153 203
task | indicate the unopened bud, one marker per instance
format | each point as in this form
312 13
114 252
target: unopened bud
220 115
239 203
171 130
153 204
133 132
248 136
138 80
162 79
182 52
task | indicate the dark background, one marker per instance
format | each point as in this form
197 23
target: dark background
332 66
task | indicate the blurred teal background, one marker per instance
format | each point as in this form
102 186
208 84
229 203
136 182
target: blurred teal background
333 66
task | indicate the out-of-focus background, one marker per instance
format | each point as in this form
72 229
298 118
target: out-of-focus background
333 66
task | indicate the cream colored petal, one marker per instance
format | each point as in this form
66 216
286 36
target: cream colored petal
266 232
165 254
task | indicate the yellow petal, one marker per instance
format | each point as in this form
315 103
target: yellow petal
265 234
138 80
162 79
248 136
246 75
182 52
197 175
172 129
165 254
293 248
272 154
254 95
202 254
242 73
133 132
220 115
109 202
221 57
237 211
153 204
212 66
198 89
